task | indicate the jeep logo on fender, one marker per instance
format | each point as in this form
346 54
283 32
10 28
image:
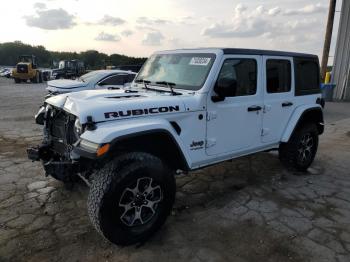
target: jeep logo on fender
139 112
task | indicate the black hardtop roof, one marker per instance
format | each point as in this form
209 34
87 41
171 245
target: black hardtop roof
243 51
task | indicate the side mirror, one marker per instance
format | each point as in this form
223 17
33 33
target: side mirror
224 87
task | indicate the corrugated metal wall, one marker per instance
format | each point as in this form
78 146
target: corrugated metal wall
341 65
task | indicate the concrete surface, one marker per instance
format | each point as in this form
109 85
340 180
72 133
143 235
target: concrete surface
250 209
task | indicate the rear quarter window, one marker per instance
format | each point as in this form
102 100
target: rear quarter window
307 76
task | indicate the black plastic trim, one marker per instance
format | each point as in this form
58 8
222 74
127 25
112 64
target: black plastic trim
319 124
115 141
176 127
243 51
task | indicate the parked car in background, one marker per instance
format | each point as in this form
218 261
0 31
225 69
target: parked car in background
100 79
133 68
68 69
6 72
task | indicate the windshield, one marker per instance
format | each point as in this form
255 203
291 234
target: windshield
87 77
186 71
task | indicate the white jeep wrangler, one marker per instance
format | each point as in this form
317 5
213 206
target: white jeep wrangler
186 109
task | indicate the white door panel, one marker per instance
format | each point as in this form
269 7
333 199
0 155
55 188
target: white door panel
235 124
278 107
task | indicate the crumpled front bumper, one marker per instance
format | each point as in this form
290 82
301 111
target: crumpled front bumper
61 170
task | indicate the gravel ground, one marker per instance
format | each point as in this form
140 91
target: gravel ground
249 209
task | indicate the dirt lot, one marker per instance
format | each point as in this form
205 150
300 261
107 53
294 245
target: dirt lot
250 209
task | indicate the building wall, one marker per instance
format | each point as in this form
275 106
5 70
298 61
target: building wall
341 64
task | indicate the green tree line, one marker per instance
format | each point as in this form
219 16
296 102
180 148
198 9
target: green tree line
10 51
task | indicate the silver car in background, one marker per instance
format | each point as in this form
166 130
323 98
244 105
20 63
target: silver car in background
99 79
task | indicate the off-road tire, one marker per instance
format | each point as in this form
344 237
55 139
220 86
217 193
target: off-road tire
290 152
108 186
17 80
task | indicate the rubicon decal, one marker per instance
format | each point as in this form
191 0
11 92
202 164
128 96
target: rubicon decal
139 112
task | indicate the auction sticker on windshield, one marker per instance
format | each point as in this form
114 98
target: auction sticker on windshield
202 61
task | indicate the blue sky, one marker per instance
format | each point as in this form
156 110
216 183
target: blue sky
139 27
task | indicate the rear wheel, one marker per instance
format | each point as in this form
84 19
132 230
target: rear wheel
17 80
301 148
131 197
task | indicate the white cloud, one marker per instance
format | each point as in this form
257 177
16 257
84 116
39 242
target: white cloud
39 5
243 24
127 33
153 38
111 20
274 11
107 37
308 9
152 21
51 19
257 23
240 8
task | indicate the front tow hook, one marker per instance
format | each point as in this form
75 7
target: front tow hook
36 153
33 153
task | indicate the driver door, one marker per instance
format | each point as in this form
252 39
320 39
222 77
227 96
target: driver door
234 124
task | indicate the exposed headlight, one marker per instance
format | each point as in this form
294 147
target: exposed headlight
39 117
78 128
99 149
90 146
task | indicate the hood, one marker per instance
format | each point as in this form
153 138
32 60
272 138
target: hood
108 105
65 84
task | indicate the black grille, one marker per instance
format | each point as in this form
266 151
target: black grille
22 68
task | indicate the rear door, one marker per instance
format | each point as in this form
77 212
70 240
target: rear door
278 96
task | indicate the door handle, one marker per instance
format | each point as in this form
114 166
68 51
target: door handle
284 104
254 108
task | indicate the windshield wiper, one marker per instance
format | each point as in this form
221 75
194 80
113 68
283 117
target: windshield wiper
168 84
145 82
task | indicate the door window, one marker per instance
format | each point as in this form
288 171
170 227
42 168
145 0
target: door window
278 75
130 78
114 80
244 72
307 76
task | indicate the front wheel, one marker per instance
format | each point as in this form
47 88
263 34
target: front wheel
299 152
131 197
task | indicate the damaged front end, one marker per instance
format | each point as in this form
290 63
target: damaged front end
61 132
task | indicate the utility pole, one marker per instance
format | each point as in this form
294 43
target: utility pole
328 38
